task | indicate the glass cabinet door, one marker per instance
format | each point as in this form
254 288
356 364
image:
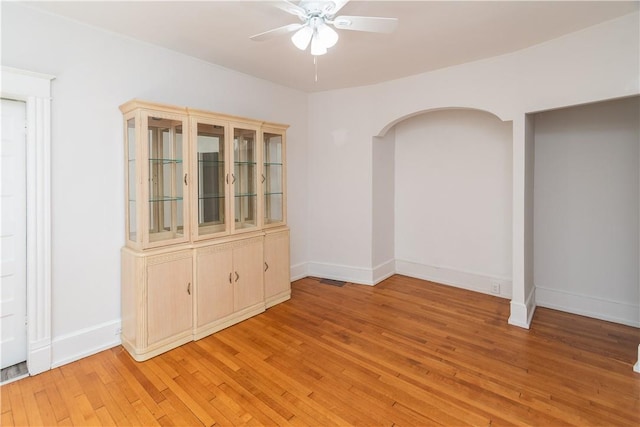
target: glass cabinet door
273 178
167 178
131 173
244 178
211 178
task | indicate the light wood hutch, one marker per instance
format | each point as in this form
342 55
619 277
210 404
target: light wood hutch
207 244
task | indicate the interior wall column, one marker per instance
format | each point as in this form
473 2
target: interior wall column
523 290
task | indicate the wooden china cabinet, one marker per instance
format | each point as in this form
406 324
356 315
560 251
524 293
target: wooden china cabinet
207 244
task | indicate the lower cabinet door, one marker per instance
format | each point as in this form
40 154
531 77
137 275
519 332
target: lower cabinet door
215 284
277 282
248 276
169 297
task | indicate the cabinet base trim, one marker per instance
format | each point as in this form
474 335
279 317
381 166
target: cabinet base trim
199 333
225 322
156 349
277 299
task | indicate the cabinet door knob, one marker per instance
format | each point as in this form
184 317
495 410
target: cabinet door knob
266 266
233 178
185 179
237 276
230 275
263 178
189 288
227 178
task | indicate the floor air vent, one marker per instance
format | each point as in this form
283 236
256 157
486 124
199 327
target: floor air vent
332 282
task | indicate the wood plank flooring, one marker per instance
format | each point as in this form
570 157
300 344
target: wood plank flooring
405 352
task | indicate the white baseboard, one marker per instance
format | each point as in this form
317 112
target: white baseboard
471 281
85 342
590 306
383 271
365 276
298 271
521 314
636 367
361 276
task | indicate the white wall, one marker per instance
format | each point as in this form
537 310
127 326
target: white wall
586 210
453 199
340 188
96 71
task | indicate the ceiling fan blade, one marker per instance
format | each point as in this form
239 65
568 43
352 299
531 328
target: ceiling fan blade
276 32
291 8
366 23
337 5
328 8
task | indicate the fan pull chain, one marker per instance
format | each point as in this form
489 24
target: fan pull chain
315 63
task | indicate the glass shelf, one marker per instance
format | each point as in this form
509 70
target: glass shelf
273 164
273 193
210 196
246 195
245 163
165 199
165 161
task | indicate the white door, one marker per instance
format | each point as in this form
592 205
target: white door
13 235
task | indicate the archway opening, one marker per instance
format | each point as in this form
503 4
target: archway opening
442 199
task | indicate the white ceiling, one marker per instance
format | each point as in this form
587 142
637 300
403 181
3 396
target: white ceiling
430 35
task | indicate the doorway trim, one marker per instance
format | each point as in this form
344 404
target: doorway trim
35 90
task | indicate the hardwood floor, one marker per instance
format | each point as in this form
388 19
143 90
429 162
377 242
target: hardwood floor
405 352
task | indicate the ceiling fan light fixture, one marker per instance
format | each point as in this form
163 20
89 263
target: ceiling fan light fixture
302 37
327 36
317 48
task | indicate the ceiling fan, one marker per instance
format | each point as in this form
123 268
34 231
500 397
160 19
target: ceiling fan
317 19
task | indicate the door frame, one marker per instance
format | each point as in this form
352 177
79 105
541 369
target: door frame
35 90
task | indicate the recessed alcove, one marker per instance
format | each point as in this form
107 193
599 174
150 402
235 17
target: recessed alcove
442 191
586 204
